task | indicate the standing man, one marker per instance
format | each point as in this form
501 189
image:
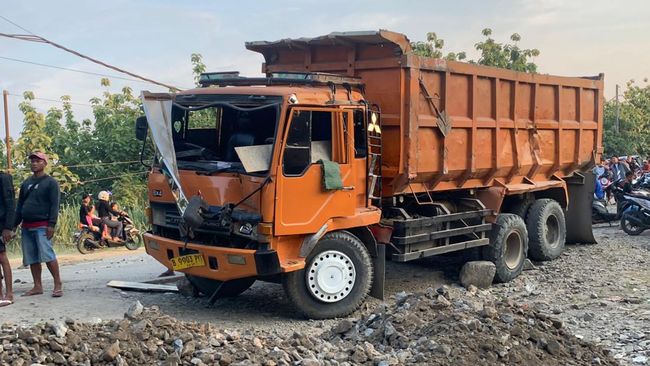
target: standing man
618 169
38 210
7 209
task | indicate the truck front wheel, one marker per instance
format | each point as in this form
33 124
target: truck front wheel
336 278
508 247
546 230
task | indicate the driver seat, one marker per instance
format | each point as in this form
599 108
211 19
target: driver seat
243 137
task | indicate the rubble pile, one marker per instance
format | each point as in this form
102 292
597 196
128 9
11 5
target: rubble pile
441 326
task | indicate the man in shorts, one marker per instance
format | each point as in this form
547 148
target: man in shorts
7 210
38 210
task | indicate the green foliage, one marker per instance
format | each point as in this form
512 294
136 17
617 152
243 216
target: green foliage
82 153
432 47
35 137
493 53
633 137
206 117
198 67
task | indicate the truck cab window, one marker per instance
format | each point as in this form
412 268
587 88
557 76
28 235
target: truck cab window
360 138
309 140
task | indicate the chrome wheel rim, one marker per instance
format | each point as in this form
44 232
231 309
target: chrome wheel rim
330 276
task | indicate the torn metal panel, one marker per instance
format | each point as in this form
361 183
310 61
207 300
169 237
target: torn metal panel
139 286
158 109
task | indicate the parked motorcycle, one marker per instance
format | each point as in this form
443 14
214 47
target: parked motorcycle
642 182
89 241
636 218
600 213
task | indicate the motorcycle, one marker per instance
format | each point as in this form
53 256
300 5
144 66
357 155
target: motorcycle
642 182
636 218
600 213
88 240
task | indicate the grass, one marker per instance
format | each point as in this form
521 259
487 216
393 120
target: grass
67 225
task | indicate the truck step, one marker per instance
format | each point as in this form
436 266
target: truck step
405 257
442 234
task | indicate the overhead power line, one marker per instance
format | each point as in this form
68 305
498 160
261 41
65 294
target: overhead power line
31 37
9 21
113 177
52 100
73 70
101 164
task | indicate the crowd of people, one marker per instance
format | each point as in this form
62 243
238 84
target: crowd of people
620 171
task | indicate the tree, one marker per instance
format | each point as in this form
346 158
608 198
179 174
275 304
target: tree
493 53
205 118
432 47
35 138
634 116
198 67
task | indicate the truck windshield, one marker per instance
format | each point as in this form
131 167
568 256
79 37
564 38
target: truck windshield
215 134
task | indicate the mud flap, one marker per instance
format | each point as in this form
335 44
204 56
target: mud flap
581 189
379 273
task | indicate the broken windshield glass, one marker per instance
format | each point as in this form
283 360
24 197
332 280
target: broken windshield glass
214 134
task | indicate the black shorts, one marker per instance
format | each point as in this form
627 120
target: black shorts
3 247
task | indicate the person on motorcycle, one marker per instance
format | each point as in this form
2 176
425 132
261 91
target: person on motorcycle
104 212
115 208
84 214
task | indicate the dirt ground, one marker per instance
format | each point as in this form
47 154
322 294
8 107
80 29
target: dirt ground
599 292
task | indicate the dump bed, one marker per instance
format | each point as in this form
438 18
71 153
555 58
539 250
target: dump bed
451 125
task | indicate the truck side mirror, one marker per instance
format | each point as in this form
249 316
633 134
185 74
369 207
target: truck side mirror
141 128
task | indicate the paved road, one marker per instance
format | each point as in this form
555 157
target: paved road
85 293
87 298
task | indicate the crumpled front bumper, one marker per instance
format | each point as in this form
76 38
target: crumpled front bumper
221 263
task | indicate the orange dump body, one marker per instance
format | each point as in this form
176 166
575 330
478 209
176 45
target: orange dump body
451 125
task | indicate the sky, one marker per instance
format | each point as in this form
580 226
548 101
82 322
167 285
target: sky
155 38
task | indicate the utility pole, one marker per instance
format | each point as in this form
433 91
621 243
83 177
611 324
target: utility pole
618 125
7 142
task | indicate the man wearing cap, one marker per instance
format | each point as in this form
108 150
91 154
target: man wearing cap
38 210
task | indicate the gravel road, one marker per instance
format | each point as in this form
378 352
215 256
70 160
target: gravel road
599 292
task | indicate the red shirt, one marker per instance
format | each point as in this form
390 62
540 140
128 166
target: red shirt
34 225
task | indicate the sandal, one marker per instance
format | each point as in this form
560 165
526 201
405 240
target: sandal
5 303
57 293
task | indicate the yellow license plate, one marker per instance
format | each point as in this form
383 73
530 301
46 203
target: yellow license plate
187 261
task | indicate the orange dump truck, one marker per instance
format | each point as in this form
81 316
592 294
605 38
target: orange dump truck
351 150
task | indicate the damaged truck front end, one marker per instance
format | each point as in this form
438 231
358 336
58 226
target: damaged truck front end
210 202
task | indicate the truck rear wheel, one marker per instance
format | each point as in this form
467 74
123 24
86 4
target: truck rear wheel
546 230
508 247
336 278
229 289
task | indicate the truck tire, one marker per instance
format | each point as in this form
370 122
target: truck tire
522 208
546 230
230 288
336 279
508 247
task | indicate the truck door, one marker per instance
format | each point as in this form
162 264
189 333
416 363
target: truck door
302 203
